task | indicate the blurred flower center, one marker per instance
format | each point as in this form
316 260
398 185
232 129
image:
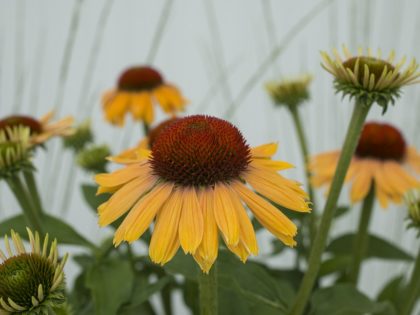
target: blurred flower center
18 120
139 79
375 66
200 151
381 141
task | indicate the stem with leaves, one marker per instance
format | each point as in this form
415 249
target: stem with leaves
353 133
413 289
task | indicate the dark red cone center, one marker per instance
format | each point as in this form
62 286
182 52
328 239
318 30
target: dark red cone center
139 79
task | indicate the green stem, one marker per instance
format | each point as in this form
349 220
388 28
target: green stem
33 218
361 241
413 290
353 133
146 129
207 284
311 219
33 191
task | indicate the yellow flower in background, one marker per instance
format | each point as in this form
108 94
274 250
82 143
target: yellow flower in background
290 92
381 160
194 182
137 91
370 78
40 130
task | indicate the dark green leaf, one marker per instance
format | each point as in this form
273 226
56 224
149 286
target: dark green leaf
344 299
377 248
56 228
394 292
335 264
340 211
80 298
89 193
111 282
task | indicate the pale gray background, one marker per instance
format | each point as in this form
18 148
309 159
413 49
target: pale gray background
64 54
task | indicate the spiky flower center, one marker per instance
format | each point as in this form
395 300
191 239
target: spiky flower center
34 125
381 141
200 151
21 275
375 66
156 131
139 79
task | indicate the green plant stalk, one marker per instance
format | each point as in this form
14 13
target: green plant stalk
361 240
353 133
413 289
33 218
33 191
207 284
146 129
310 219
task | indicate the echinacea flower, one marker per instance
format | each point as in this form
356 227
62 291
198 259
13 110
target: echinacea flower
290 92
370 78
382 160
138 89
93 158
31 282
41 130
80 138
15 150
194 182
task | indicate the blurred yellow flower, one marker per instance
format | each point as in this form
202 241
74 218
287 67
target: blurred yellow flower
138 89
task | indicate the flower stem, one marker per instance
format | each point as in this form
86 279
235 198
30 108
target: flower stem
353 133
361 241
311 219
413 290
33 218
33 191
207 284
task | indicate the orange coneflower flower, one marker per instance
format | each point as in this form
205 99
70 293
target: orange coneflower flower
194 182
137 90
40 130
381 158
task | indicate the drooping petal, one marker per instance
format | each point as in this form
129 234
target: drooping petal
191 225
165 234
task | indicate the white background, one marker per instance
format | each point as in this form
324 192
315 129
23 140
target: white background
210 49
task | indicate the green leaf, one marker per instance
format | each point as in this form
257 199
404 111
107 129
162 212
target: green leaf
80 297
394 292
377 248
344 299
340 211
56 228
335 264
89 193
111 282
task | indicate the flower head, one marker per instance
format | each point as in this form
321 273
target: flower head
138 89
291 92
193 182
31 282
93 159
413 204
370 78
381 160
40 130
15 150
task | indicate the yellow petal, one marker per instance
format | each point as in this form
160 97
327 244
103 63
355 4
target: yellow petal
362 183
142 214
225 214
264 151
247 233
208 249
191 223
270 164
163 245
124 199
123 175
269 216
